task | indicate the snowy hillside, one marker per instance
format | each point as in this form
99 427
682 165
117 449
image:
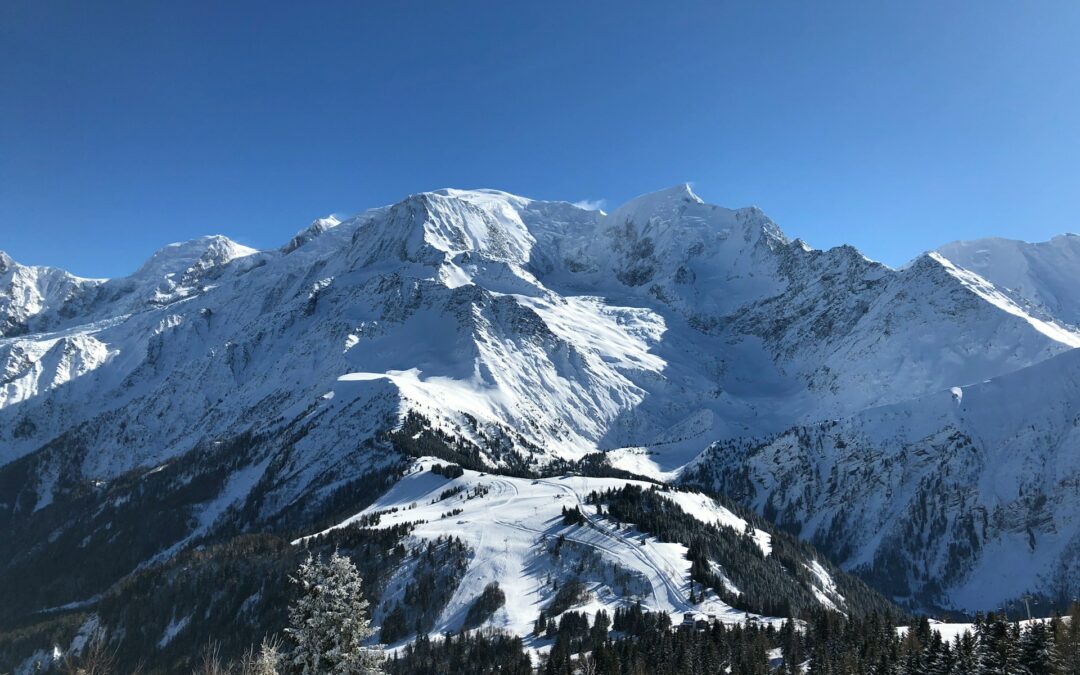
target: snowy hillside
220 390
667 324
514 528
964 498
1042 274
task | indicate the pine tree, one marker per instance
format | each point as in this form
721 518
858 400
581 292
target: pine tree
937 655
998 647
1068 641
329 623
966 662
1038 650
790 647
540 624
601 626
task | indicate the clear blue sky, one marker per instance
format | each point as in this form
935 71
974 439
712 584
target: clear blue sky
894 126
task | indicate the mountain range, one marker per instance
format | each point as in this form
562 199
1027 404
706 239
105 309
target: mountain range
919 427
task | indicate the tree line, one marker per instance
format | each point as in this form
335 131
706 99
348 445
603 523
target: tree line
330 633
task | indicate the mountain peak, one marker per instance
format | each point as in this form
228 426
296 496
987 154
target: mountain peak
681 191
206 251
431 227
524 334
481 195
660 204
317 227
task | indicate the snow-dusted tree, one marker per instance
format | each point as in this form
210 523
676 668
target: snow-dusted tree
998 650
1039 653
329 623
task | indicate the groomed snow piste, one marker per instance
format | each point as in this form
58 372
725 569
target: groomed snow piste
512 527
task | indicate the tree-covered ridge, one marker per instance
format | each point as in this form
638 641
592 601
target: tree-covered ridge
777 584
328 625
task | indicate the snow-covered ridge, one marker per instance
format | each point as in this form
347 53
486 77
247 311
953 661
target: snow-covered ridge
688 266
708 511
190 256
523 331
511 525
1041 274
39 299
992 294
26 291
963 498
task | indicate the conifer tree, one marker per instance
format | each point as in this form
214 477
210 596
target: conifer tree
966 659
329 623
1067 638
1038 651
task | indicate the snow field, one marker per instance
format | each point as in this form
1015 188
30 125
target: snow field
512 528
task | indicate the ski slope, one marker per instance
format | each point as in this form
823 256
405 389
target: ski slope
512 527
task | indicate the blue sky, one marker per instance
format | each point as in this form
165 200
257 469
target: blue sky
894 126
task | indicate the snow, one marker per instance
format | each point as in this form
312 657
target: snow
664 204
87 631
997 298
509 530
649 333
46 363
644 462
1006 447
236 488
1041 274
708 511
951 631
621 336
180 257
627 371
825 590
172 630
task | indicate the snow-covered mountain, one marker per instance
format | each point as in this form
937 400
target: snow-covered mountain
1043 275
668 322
282 388
962 498
515 529
27 291
41 299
